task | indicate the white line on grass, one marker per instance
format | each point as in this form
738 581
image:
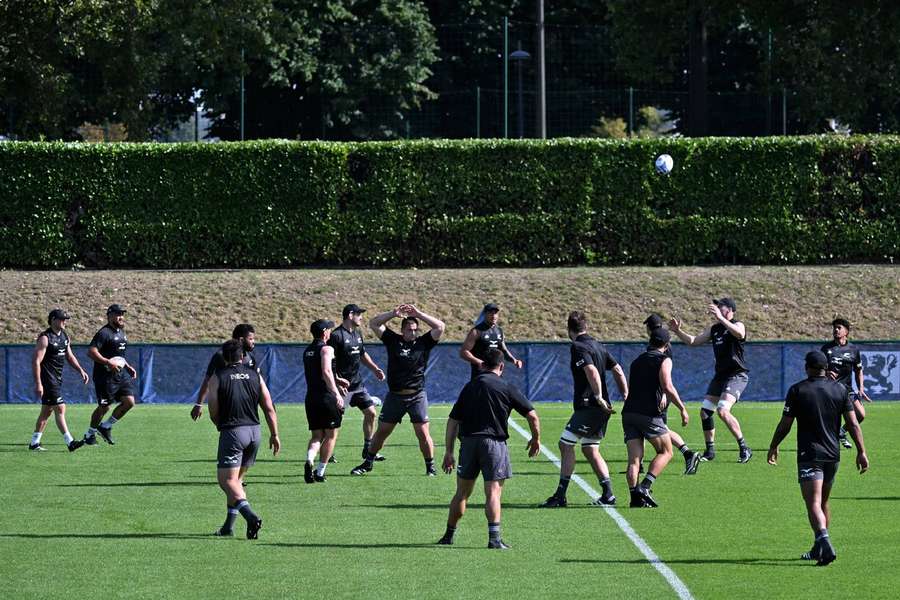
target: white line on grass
668 574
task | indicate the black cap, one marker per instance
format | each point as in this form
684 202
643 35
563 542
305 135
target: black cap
116 309
57 313
660 336
491 307
654 321
352 308
726 302
319 326
841 321
816 360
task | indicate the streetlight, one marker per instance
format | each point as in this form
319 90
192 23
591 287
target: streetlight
520 56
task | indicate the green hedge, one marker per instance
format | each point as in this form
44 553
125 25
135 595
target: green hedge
450 203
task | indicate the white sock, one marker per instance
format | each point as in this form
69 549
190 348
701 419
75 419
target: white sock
68 438
110 422
91 431
311 454
321 469
36 437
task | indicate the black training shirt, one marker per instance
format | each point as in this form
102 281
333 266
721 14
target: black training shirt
728 350
316 388
488 338
238 394
110 342
55 357
218 362
348 352
843 361
644 388
588 351
407 360
817 404
484 404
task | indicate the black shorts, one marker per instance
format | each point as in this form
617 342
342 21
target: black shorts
483 455
238 447
642 427
587 425
113 389
359 397
323 413
52 395
815 471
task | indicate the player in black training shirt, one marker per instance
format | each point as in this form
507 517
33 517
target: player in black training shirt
349 353
818 403
113 376
845 362
235 392
650 390
51 352
730 380
691 458
480 418
484 336
246 335
407 360
324 402
589 363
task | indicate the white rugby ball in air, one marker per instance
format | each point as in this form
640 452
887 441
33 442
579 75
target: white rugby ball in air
664 164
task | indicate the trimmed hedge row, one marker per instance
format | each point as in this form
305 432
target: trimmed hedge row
448 203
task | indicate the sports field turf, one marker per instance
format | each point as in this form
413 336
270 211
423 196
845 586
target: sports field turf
133 520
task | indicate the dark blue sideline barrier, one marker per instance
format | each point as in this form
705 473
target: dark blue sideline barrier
173 373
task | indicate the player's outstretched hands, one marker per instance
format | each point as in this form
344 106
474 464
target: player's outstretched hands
713 309
449 463
674 324
772 457
862 462
275 444
411 310
534 446
196 411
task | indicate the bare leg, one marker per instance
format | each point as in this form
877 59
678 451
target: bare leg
327 448
731 422
464 489
812 496
424 437
98 414
124 406
492 492
663 446
59 412
368 424
381 435
592 454
567 459
42 419
635 456
230 482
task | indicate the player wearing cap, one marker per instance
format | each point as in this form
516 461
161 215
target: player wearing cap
235 393
324 401
731 377
246 335
480 418
691 458
650 390
589 362
51 352
818 403
113 376
484 336
407 360
844 362
349 353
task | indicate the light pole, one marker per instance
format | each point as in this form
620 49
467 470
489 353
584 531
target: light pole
520 56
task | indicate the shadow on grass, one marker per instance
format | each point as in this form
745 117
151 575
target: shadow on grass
210 481
882 498
351 546
772 562
111 536
470 505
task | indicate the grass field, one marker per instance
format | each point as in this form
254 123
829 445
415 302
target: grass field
165 306
133 520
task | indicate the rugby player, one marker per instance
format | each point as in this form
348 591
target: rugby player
480 418
589 363
691 458
844 361
235 393
731 373
407 359
51 352
817 404
485 335
324 401
349 352
244 333
650 390
113 380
